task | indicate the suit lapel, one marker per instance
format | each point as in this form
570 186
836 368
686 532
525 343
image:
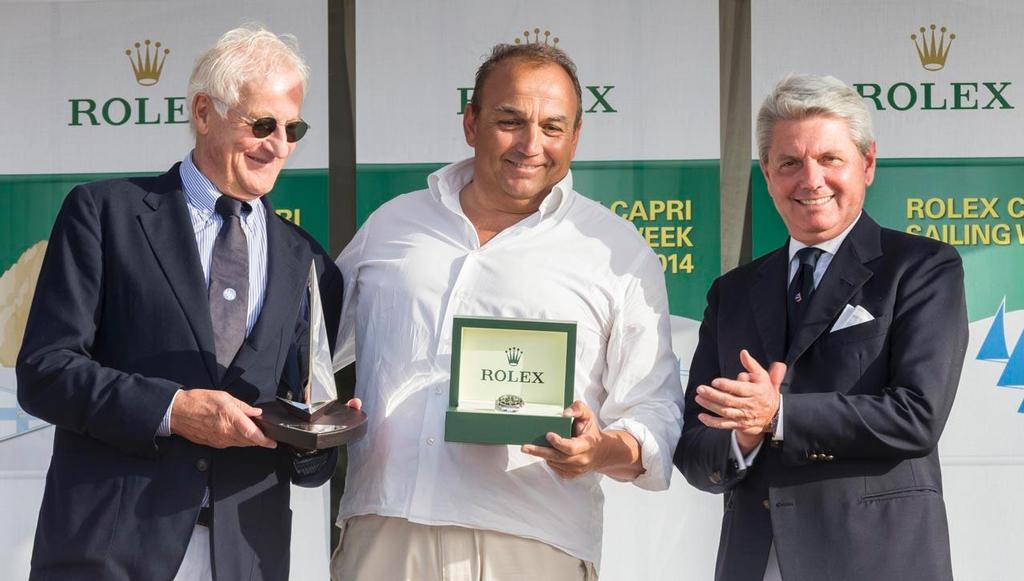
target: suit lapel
767 299
286 277
845 275
171 237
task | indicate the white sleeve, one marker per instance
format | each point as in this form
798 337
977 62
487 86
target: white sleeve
641 378
348 263
743 462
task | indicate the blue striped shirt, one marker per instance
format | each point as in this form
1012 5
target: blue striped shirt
201 196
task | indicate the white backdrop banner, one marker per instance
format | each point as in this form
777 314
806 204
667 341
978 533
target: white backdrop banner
942 78
649 73
76 104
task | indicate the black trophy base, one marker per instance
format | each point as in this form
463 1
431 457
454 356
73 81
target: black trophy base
336 426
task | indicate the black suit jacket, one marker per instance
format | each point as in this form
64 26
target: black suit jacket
119 322
854 491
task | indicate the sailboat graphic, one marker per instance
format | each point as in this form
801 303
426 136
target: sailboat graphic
1013 373
993 348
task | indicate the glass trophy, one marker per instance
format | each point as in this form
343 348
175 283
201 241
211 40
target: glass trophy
312 418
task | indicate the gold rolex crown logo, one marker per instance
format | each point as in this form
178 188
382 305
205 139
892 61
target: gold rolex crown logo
147 64
931 51
546 39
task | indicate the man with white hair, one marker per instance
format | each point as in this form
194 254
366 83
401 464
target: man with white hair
166 307
826 369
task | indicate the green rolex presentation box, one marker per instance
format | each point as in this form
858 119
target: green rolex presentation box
510 380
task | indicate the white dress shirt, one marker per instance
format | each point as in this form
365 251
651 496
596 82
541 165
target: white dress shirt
829 249
415 264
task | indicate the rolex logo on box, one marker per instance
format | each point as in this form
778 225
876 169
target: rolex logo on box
510 380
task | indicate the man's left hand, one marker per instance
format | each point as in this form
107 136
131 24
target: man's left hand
746 404
614 452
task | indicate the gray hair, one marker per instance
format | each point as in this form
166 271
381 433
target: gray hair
802 96
532 53
247 54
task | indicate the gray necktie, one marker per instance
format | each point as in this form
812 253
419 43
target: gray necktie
229 282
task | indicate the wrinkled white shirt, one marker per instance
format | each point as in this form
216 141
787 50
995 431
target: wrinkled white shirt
416 263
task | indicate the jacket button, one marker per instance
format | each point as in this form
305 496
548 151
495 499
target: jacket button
829 457
775 443
767 505
812 456
202 464
716 477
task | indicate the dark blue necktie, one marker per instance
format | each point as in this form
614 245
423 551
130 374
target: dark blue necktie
798 296
229 282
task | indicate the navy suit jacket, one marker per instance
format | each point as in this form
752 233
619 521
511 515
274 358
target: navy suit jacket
119 322
854 491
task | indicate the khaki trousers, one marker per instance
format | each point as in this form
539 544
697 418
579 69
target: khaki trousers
378 548
196 566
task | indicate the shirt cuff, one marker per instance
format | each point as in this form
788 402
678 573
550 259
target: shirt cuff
656 464
165 424
742 463
778 425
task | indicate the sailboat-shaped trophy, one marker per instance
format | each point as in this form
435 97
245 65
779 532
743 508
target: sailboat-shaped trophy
311 418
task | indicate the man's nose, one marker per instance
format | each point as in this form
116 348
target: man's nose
530 140
812 176
277 142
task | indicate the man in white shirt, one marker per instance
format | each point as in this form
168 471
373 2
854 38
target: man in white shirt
501 234
827 456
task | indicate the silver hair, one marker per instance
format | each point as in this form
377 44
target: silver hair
802 96
247 54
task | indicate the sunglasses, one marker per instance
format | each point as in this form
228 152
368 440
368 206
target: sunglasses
265 126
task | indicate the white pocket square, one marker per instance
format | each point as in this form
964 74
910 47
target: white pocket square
851 316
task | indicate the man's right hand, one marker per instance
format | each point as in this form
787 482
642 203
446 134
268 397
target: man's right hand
216 419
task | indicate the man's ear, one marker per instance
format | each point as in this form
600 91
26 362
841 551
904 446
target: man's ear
764 171
576 136
469 121
202 108
869 165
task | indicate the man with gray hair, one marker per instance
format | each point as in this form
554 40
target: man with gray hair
825 370
501 234
166 308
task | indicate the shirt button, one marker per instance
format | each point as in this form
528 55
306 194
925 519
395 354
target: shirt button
230 294
430 441
202 464
437 390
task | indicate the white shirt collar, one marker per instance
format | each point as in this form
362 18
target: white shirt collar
830 246
199 190
446 184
